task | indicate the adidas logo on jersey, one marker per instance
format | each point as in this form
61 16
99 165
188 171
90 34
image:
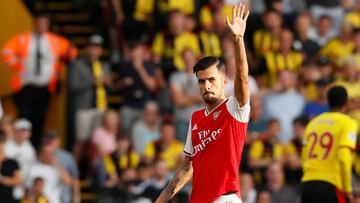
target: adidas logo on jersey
195 127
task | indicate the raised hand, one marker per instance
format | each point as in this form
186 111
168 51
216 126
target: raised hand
239 17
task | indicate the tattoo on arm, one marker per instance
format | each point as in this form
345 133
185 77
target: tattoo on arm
182 176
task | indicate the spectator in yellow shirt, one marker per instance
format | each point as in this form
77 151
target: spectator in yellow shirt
349 79
167 147
209 41
169 44
356 52
163 9
340 47
125 157
36 193
353 17
214 14
284 59
293 170
267 39
266 150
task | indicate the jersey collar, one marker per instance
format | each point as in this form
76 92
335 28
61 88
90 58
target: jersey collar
208 113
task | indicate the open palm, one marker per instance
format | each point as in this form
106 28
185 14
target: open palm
239 17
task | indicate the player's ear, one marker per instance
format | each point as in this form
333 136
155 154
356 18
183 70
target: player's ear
226 80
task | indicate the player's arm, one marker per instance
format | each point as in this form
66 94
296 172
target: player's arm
344 153
237 27
182 176
10 52
345 158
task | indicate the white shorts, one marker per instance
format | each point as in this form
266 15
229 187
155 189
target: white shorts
230 198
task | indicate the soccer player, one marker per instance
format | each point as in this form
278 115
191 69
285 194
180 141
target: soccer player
217 133
327 160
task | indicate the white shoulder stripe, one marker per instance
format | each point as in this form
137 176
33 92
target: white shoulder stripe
240 113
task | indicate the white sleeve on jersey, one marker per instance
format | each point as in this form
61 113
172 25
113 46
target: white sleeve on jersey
240 113
188 150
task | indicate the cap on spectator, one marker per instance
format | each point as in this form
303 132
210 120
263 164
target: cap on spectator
323 61
22 124
96 40
51 135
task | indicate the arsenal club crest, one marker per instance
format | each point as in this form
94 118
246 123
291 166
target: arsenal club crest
216 115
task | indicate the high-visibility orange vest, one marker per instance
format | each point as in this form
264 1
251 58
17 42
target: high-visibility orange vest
15 53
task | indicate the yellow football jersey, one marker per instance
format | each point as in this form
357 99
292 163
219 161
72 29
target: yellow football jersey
323 138
353 18
264 42
175 48
170 154
264 150
336 49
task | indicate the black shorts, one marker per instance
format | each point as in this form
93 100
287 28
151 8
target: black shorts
321 192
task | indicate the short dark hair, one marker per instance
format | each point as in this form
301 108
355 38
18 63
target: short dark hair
270 11
272 121
134 43
337 97
173 12
323 17
166 122
208 61
302 120
38 179
41 14
356 30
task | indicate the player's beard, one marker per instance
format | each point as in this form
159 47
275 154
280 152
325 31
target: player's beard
209 97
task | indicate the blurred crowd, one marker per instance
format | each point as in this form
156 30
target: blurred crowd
129 152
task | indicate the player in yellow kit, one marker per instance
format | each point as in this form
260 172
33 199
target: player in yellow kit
329 140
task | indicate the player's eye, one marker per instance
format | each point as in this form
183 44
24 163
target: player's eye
201 82
212 80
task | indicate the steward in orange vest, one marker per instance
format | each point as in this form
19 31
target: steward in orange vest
35 59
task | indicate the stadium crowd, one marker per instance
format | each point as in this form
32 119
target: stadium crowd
296 50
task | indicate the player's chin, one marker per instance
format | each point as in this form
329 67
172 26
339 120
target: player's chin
208 98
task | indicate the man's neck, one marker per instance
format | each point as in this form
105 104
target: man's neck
274 31
302 36
275 186
285 52
38 34
150 125
215 104
19 143
338 110
255 119
287 89
166 143
93 59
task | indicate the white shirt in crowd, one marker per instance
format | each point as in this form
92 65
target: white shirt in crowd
30 75
51 177
24 154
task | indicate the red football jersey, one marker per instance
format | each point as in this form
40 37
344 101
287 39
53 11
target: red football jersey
215 142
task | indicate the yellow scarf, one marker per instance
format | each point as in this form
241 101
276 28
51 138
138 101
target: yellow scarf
101 102
40 199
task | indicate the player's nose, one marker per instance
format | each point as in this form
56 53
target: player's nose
207 85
